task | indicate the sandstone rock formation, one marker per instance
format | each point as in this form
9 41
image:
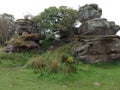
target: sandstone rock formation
98 26
96 41
23 43
97 49
24 25
88 12
25 39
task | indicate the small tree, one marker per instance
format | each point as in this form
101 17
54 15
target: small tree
54 18
7 27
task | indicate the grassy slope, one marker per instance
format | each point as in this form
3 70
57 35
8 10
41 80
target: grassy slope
24 79
88 77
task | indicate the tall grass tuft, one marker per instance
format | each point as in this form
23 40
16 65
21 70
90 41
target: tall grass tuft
14 59
55 64
58 61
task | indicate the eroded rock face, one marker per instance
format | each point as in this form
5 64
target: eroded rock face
98 49
24 25
98 26
96 39
23 43
88 12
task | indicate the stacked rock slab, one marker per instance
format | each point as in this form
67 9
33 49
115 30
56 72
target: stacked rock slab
96 41
24 25
23 43
25 39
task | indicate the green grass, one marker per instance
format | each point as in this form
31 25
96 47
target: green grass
14 59
18 78
16 75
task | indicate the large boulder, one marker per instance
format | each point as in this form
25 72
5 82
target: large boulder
98 26
23 43
24 25
88 12
97 49
96 40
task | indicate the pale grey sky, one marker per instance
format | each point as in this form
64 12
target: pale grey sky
19 8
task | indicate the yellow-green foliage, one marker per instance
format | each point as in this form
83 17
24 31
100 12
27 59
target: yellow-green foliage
24 43
52 61
29 37
70 59
23 39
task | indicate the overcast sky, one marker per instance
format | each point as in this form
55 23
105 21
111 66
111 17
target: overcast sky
19 8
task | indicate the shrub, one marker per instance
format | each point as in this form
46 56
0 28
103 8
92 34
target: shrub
57 61
70 64
37 64
55 65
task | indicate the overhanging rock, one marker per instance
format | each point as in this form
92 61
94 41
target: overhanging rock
99 26
23 43
97 49
96 40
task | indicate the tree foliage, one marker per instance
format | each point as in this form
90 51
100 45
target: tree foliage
7 27
54 18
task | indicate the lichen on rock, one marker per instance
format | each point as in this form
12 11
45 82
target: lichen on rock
23 43
88 12
96 38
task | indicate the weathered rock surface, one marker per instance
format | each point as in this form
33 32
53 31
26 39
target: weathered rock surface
98 26
23 43
88 12
97 49
24 25
96 40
